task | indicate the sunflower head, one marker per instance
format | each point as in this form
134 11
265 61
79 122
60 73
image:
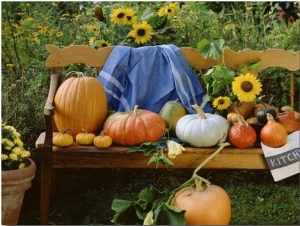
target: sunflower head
102 43
168 10
141 32
221 102
118 16
246 87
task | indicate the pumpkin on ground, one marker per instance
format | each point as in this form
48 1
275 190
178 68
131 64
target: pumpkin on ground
288 119
241 134
134 127
85 138
171 112
210 206
102 140
202 129
80 102
273 134
62 139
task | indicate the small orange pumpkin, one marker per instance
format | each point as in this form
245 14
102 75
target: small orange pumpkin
102 140
273 134
134 127
85 138
63 139
288 119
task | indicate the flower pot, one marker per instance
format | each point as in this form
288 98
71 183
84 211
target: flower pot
14 185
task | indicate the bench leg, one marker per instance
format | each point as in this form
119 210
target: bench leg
47 182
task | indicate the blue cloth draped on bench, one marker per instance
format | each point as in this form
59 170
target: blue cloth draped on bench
149 77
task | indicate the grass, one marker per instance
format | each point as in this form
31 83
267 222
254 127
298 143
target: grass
84 196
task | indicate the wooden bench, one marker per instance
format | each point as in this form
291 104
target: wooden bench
76 156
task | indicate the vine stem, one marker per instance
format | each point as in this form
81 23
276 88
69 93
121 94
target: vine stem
195 176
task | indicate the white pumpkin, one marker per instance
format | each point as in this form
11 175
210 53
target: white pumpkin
202 129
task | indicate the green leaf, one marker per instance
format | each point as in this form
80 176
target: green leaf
169 215
212 49
147 14
125 212
146 148
151 194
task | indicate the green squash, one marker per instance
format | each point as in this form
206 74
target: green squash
261 112
171 112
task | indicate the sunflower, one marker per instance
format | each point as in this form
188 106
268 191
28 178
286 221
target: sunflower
246 87
130 17
168 10
93 28
221 103
118 16
141 32
102 43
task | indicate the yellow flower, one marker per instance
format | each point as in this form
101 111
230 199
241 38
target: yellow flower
18 142
4 156
102 43
118 16
149 218
91 41
130 17
246 87
9 65
13 157
221 103
141 32
25 154
93 28
174 148
22 166
59 34
17 150
168 10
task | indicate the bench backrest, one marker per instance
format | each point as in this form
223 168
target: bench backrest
60 58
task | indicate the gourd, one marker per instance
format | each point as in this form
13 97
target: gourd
232 117
202 129
252 120
80 102
85 138
102 140
244 108
62 139
261 111
171 112
134 127
210 206
288 119
273 134
241 134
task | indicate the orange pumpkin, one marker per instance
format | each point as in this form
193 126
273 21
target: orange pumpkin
134 127
273 134
288 120
241 134
80 102
210 206
102 140
244 108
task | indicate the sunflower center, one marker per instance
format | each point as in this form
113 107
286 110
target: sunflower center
129 18
120 15
221 102
141 32
104 44
247 86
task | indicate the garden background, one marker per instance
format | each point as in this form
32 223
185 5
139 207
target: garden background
85 196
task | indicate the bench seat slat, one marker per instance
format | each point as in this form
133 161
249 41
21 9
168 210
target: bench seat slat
117 156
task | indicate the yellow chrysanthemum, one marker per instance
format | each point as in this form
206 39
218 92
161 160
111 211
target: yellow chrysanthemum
22 166
141 32
4 156
118 16
130 17
13 157
221 103
102 43
25 154
246 87
17 150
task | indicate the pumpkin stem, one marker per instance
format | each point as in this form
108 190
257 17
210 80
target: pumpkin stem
199 111
135 110
240 118
270 117
287 109
76 73
198 182
66 130
195 177
84 130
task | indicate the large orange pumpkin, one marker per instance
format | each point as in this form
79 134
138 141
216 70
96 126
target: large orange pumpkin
134 127
80 102
211 206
